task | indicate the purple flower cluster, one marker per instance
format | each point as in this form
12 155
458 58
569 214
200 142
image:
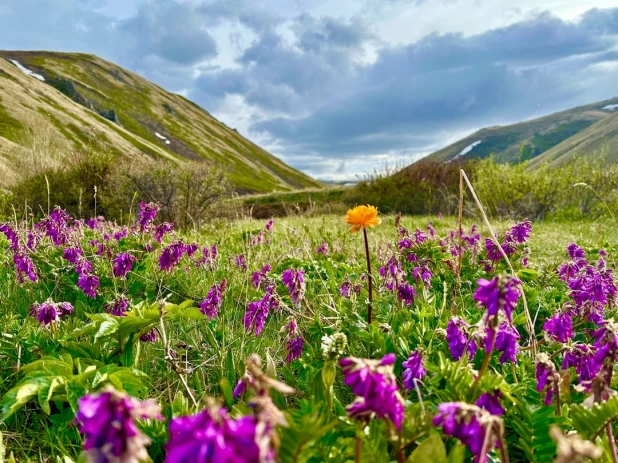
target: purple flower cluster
513 240
122 264
414 370
323 249
150 336
212 437
295 342
459 339
376 389
171 255
559 327
108 421
498 295
10 235
146 215
348 288
257 278
406 293
118 306
241 262
24 266
546 376
466 423
209 257
88 283
50 312
161 230
392 274
257 311
294 280
211 305
55 226
585 361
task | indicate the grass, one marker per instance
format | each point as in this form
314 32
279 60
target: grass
10 128
215 350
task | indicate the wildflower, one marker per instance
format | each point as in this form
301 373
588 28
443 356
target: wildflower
150 336
241 262
240 389
458 341
406 293
507 339
72 255
257 312
258 277
161 230
24 266
171 255
108 421
414 370
10 235
65 308
520 232
423 273
362 217
46 313
323 249
583 358
559 327
256 240
211 305
333 346
269 225
575 252
466 423
295 283
405 243
55 226
499 294
118 306
392 273
146 215
431 230
491 403
546 376
348 288
493 253
294 348
88 284
122 264
209 257
376 389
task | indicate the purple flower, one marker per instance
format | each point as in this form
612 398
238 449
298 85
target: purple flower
348 288
376 388
258 277
118 306
93 223
241 262
420 236
65 308
88 284
323 248
405 243
257 312
295 283
461 420
583 358
211 305
499 294
392 273
209 257
240 389
108 421
406 293
507 342
546 376
269 225
559 327
171 255
520 232
122 264
414 370
55 226
24 266
575 252
162 229
422 273
151 336
493 253
491 403
10 235
212 437
123 233
294 348
146 215
46 313
72 255
458 340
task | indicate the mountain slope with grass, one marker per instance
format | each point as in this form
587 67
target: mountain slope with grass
70 101
540 139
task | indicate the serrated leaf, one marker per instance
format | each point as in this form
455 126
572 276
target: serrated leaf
106 328
590 421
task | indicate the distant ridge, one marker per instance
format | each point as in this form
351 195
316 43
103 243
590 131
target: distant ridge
81 96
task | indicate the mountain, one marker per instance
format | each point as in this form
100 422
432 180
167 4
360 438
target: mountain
79 97
583 130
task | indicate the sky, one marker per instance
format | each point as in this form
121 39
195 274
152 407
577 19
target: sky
341 88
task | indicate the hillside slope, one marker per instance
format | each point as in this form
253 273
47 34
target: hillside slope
82 96
529 139
600 139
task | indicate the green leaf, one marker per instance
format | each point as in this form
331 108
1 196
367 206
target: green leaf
20 395
127 355
75 391
590 421
457 454
431 450
106 328
46 392
227 390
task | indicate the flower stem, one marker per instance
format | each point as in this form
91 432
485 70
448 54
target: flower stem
369 277
612 442
357 449
486 361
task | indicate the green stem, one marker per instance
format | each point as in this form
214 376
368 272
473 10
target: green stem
369 277
486 361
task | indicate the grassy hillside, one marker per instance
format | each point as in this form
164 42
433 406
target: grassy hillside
84 97
529 139
598 139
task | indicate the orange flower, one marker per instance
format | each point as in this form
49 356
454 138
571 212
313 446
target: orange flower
362 217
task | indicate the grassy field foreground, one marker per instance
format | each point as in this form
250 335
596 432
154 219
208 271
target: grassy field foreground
450 369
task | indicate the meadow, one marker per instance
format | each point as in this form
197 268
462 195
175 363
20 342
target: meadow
249 341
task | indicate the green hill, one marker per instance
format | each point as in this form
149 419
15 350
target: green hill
79 97
546 138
